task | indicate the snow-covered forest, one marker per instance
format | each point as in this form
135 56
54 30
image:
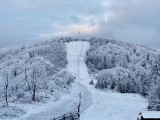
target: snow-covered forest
34 74
125 67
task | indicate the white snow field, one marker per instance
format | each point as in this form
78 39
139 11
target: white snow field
66 104
106 105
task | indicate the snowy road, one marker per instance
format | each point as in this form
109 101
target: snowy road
106 105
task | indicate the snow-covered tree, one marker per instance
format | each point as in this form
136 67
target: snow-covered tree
154 92
6 86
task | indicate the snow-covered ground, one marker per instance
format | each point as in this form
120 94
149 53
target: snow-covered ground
96 104
105 104
66 104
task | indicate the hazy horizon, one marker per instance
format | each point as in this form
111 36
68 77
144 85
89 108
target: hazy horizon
133 21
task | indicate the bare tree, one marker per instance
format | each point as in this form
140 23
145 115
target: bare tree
34 89
6 87
26 79
34 82
33 78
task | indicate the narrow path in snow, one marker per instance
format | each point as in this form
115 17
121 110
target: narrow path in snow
106 105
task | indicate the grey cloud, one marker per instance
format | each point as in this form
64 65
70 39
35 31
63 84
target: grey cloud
136 21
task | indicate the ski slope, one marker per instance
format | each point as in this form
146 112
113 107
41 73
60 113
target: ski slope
105 105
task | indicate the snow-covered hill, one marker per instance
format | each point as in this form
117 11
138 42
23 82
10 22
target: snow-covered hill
34 73
43 80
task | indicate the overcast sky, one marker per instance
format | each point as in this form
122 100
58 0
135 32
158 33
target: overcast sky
135 21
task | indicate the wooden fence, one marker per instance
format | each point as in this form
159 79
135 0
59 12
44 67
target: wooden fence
72 116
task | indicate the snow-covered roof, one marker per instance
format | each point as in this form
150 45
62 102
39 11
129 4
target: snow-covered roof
151 114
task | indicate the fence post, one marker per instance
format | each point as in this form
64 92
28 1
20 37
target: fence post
64 117
72 118
79 105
